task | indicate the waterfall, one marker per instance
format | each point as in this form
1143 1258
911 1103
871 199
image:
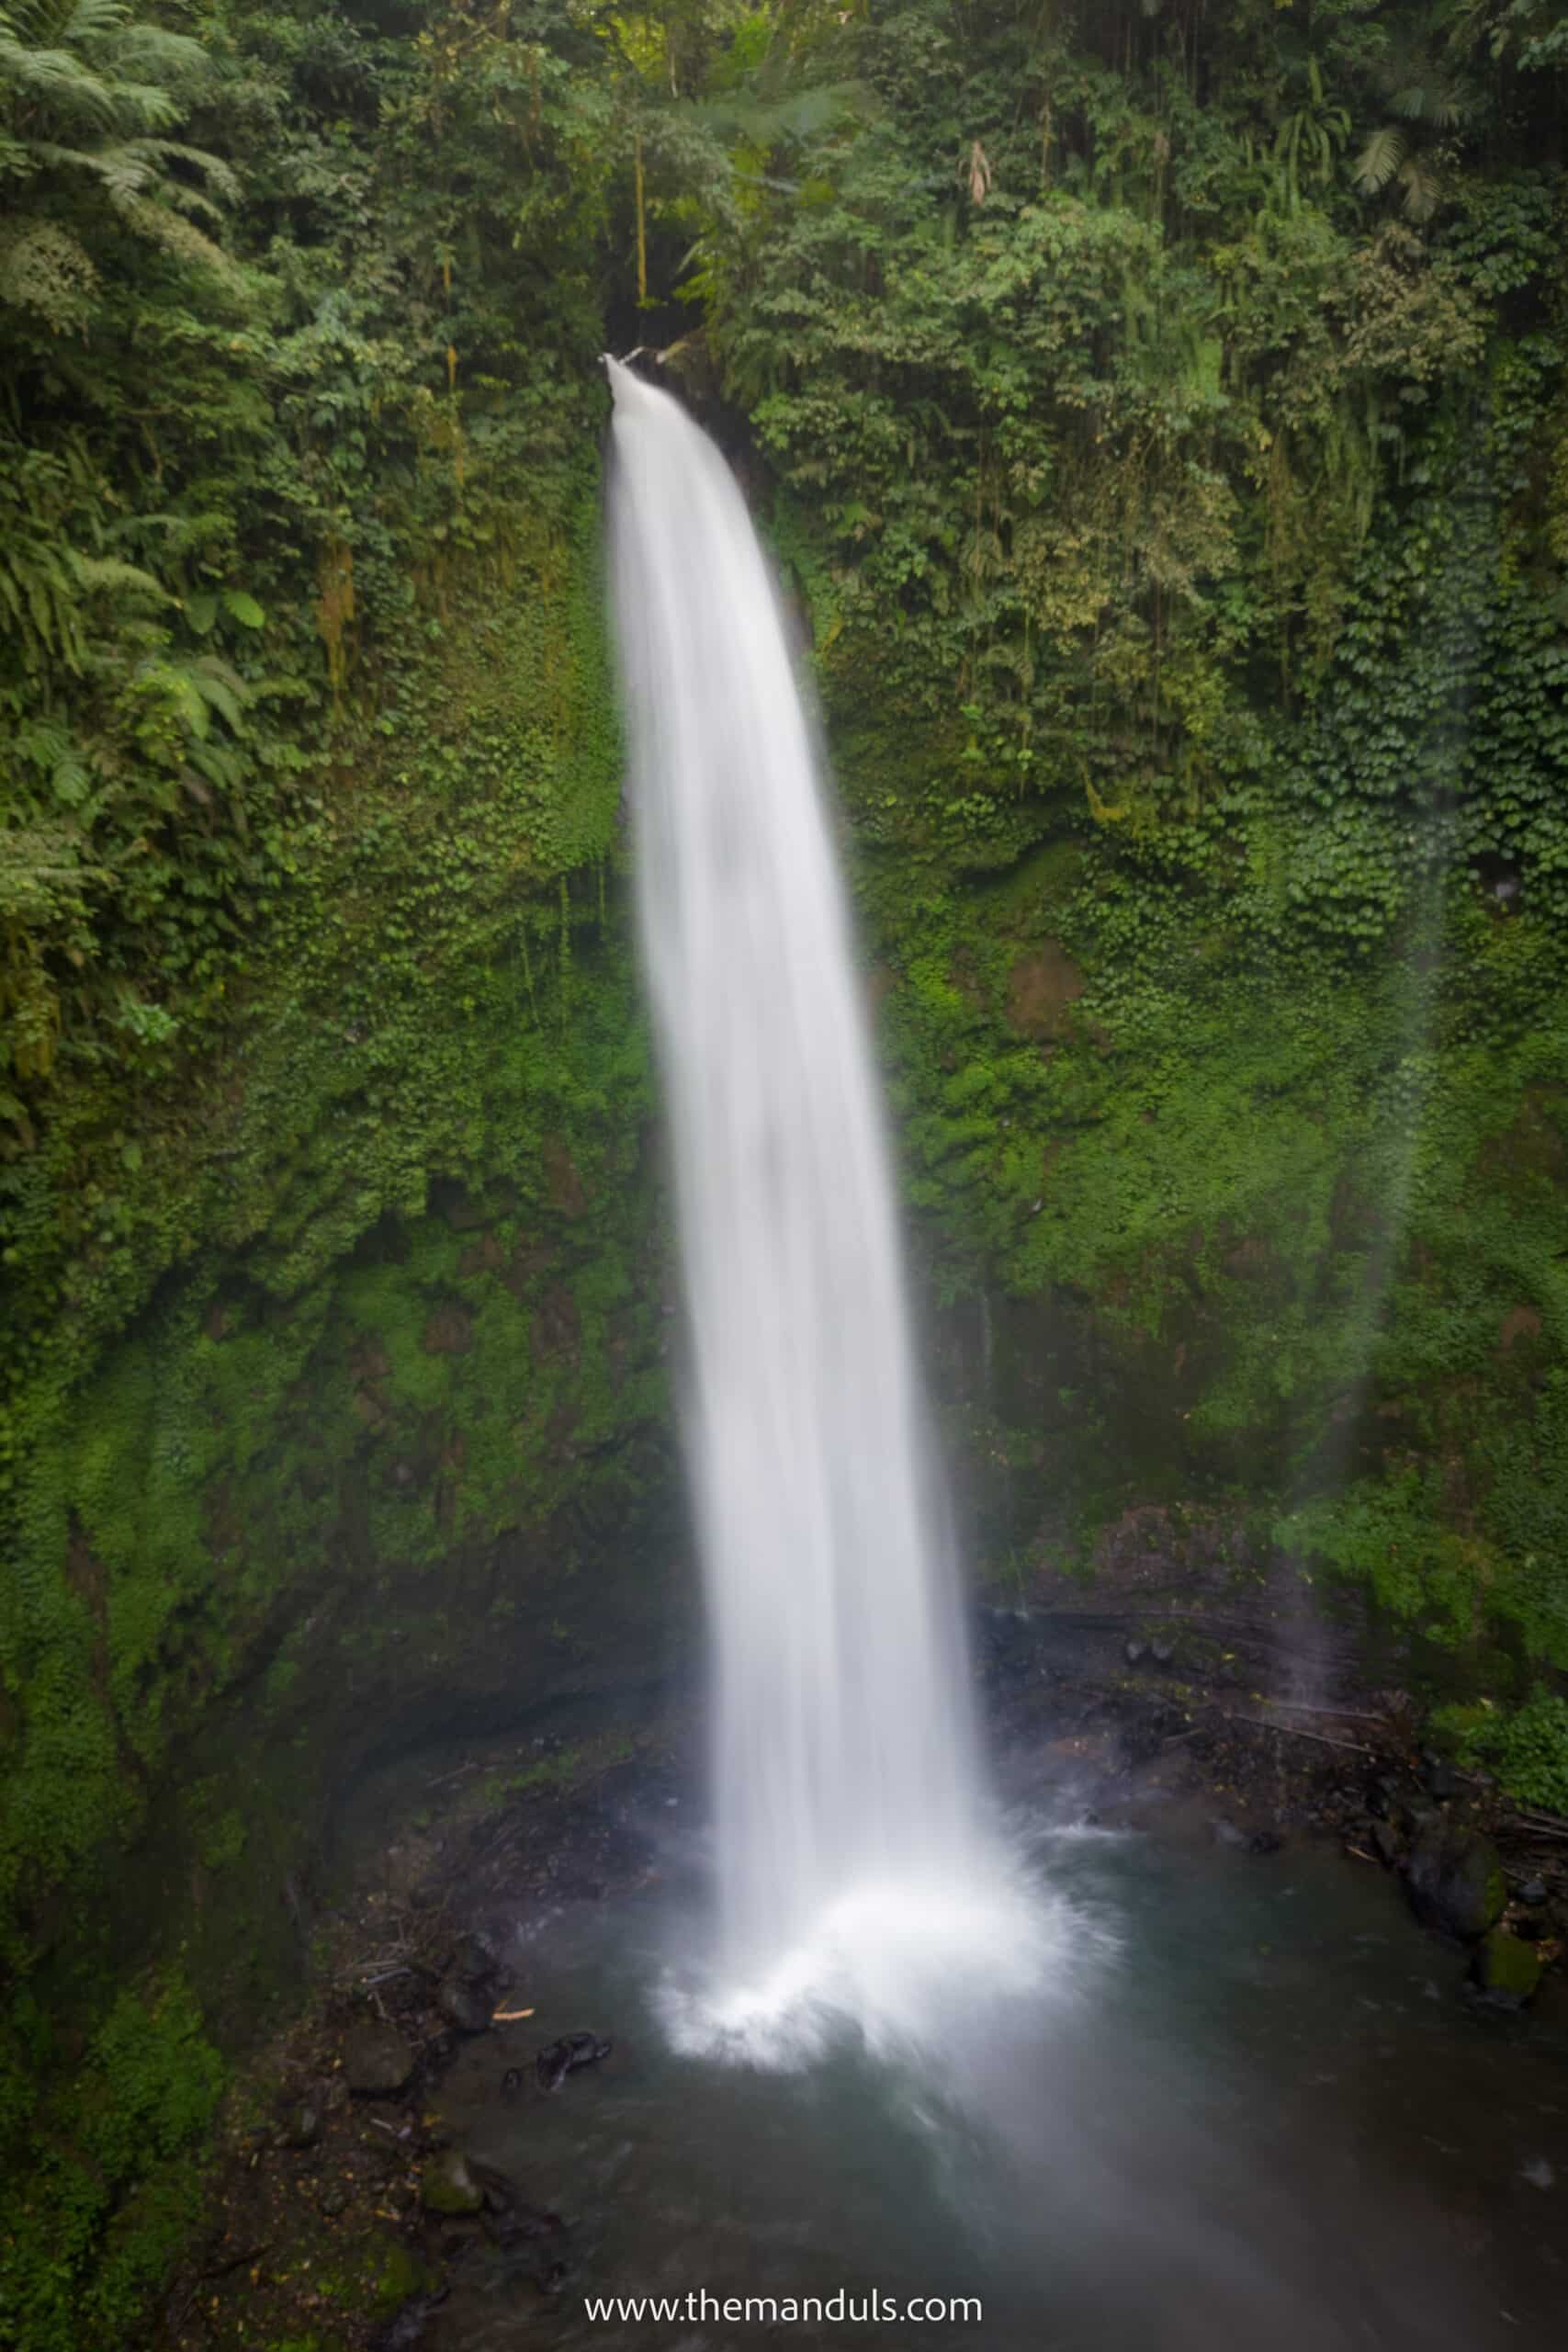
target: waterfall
852 1861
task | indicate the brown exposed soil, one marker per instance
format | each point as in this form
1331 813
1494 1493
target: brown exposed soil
1040 987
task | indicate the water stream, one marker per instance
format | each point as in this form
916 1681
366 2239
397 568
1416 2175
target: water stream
855 1870
1268 2120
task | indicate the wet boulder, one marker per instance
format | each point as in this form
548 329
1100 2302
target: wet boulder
472 1962
463 2005
303 2129
562 2058
449 2187
1388 1841
1506 1969
377 2060
1455 1880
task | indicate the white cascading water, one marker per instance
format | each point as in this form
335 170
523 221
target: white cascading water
855 1871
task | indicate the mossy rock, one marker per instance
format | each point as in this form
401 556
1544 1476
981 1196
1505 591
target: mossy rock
448 2187
1507 1969
1455 1878
399 2275
377 2060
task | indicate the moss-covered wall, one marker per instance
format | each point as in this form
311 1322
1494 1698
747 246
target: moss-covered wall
344 1408
337 1406
1202 1225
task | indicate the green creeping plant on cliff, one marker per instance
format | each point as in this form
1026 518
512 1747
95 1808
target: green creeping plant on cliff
1181 515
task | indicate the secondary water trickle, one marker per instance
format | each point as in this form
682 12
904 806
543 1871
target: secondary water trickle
855 1870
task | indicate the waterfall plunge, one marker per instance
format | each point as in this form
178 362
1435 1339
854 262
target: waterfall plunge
856 1873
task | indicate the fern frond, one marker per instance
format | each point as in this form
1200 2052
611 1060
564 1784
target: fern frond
106 574
222 687
116 166
1379 159
80 20
1423 185
180 238
163 56
223 182
52 79
145 107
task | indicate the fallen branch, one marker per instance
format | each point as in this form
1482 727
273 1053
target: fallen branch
1295 1731
232 2262
1338 1715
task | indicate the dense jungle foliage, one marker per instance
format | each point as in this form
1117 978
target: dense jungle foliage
1158 410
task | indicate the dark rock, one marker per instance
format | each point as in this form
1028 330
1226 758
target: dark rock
332 2199
1162 1652
377 2060
404 2329
1383 1796
1532 1891
518 2224
463 2006
1265 1841
499 2191
448 2187
1437 1777
1506 1969
1388 1841
1455 1880
473 1962
533 2240
1134 1653
303 2128
512 2082
564 2057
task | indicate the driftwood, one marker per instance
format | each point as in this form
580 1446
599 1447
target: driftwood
1296 1731
1337 1714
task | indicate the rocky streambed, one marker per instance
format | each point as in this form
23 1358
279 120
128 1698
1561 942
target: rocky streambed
475 2123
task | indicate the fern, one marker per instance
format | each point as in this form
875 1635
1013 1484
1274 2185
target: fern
87 95
48 585
1379 159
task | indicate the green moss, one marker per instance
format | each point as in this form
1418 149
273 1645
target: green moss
108 2183
386 2275
1507 1968
448 2187
1526 1746
378 1293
